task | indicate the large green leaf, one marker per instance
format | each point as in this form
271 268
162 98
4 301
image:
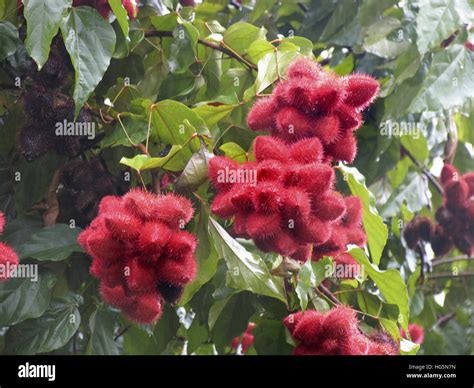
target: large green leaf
43 18
90 41
145 162
240 36
389 282
376 230
449 82
183 49
272 66
49 332
230 317
101 341
438 19
23 298
54 243
8 40
270 338
121 15
246 270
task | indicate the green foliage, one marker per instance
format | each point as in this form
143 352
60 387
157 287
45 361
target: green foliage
170 91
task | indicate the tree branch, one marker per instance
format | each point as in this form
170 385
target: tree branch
328 294
207 43
449 275
448 260
424 170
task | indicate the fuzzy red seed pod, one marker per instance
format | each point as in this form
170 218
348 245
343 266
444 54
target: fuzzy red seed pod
250 328
146 308
417 333
260 117
292 124
449 173
222 205
296 204
153 238
469 179
177 271
304 68
261 225
349 118
331 206
269 148
307 151
441 242
419 228
335 332
313 230
2 222
295 92
217 169
456 193
131 6
326 128
344 149
327 94
270 170
382 344
267 197
235 343
361 90
8 261
139 251
350 266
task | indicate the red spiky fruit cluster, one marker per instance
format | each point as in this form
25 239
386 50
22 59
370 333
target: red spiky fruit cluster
8 258
246 339
131 6
417 333
313 102
285 201
140 252
455 217
335 332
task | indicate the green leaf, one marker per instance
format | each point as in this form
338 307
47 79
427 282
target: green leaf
377 231
175 123
416 145
206 255
43 18
49 332
240 36
322 269
145 162
438 19
449 82
90 41
183 49
54 243
213 114
195 172
389 282
271 67
270 338
24 298
121 15
8 40
306 280
232 318
247 271
234 151
102 327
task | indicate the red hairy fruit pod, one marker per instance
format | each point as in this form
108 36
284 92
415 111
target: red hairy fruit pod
140 253
284 201
441 241
347 230
315 103
382 344
449 173
419 228
335 332
8 257
417 333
